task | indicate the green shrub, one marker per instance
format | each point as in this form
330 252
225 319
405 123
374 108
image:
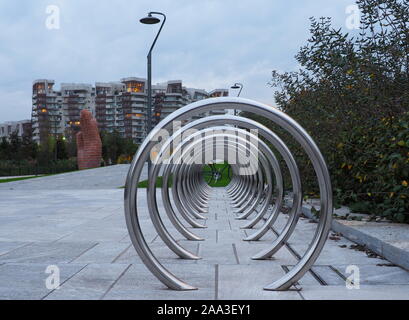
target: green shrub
370 170
351 95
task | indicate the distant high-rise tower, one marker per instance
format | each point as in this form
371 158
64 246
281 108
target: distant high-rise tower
46 114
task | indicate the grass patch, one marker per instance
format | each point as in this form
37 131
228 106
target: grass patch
38 176
223 180
144 183
18 179
159 183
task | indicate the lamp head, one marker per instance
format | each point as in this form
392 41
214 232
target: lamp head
149 19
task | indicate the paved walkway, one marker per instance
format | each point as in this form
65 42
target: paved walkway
99 178
82 231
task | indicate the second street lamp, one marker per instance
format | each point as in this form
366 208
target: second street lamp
150 19
237 86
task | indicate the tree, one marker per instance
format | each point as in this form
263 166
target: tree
114 146
61 149
352 96
5 150
28 146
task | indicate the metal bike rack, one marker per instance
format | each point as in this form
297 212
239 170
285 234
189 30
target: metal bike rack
255 187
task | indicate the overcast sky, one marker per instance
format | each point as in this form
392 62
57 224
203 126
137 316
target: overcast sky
206 43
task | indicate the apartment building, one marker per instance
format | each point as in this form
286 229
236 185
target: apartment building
117 106
108 108
74 97
46 114
134 109
22 128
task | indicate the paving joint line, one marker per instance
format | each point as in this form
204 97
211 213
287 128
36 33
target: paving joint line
235 253
298 257
22 246
121 253
296 285
55 241
69 278
86 250
115 282
216 282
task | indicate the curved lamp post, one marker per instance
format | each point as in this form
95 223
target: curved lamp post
235 87
150 19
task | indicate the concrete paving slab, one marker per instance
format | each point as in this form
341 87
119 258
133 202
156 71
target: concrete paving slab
45 252
329 275
246 282
99 178
378 275
396 292
161 251
6 247
134 286
337 255
246 250
27 280
390 240
91 283
217 253
103 252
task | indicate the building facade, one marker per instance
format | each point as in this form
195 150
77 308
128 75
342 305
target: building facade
46 113
22 128
117 106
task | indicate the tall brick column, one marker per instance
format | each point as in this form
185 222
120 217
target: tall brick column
89 146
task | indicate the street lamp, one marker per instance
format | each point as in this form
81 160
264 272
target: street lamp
237 86
149 19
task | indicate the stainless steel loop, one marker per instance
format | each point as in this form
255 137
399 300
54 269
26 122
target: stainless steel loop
258 160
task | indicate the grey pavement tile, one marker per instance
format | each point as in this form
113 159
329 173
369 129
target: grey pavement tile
230 236
138 283
333 254
378 275
27 281
245 250
6 247
398 292
97 234
28 234
46 252
103 252
220 224
217 253
162 253
99 178
246 282
328 275
91 283
309 278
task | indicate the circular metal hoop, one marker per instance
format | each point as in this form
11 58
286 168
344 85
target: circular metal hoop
181 154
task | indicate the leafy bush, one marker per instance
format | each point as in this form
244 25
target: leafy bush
370 170
352 96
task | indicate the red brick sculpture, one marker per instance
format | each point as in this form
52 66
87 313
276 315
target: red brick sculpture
89 146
